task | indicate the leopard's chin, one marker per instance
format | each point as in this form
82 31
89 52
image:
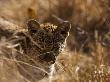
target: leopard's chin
48 57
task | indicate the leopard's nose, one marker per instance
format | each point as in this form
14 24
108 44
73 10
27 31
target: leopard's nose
48 57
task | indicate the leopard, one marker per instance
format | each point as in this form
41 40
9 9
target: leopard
39 46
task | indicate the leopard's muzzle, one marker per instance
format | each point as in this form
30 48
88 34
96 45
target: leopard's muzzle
48 57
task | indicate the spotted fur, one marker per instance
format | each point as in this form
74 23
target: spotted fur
41 44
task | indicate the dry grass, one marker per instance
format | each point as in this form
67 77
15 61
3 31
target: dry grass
77 67
72 65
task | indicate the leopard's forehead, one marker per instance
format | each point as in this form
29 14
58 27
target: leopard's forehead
48 26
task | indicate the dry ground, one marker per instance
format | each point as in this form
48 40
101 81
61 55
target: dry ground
81 60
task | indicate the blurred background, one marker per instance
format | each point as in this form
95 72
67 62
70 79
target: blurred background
86 17
90 32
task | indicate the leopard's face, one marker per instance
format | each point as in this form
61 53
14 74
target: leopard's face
49 38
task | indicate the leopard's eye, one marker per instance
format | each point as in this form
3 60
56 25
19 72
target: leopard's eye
63 32
34 31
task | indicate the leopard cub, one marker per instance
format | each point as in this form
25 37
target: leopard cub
41 44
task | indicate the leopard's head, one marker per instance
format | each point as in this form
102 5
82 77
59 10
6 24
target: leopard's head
49 38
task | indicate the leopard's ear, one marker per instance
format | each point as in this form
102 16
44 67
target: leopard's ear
65 26
33 26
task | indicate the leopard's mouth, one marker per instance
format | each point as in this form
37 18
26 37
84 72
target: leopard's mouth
50 52
48 57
